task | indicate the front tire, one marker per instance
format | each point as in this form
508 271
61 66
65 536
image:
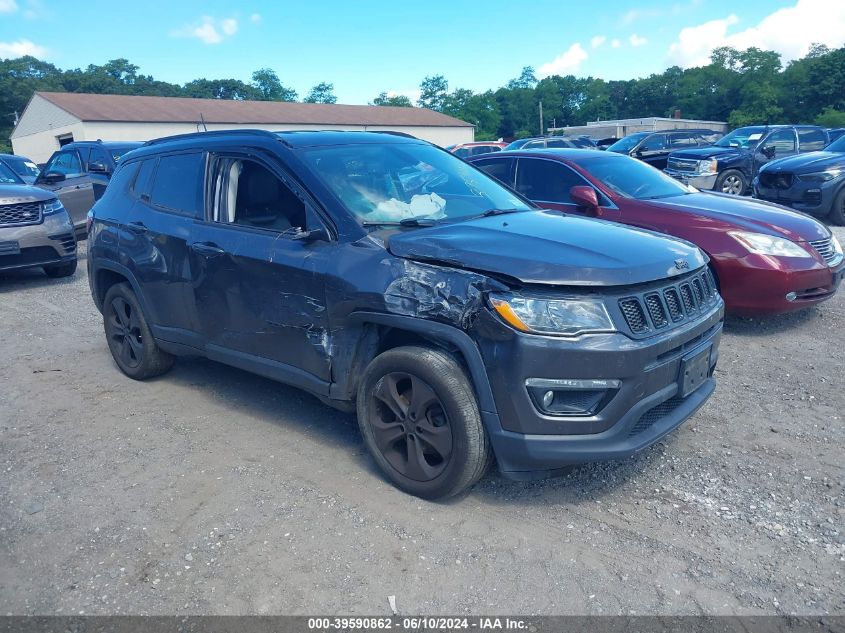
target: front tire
837 211
60 270
731 181
420 421
130 341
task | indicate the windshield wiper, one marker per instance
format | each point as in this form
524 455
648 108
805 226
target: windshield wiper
404 222
491 212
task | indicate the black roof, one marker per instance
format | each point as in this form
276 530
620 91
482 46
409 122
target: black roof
299 138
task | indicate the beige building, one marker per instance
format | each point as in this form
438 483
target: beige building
623 127
53 119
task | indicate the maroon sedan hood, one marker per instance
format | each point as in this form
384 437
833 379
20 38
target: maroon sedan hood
747 214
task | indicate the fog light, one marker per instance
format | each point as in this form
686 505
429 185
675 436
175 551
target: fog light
548 398
791 296
566 397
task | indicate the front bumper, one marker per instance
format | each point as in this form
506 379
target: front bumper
705 182
49 242
646 405
760 284
814 199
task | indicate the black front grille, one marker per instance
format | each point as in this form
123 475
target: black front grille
20 214
776 180
657 309
654 415
634 315
682 164
825 249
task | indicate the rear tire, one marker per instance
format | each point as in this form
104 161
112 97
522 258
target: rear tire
837 210
731 181
420 421
61 270
129 338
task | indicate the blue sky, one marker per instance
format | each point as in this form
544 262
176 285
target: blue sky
367 46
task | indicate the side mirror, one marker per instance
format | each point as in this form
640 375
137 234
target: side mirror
53 176
97 167
768 151
585 197
312 235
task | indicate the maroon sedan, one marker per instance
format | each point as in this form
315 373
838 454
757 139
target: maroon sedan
766 258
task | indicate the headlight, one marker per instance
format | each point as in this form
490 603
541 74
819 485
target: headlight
837 247
709 166
52 206
821 176
557 317
762 244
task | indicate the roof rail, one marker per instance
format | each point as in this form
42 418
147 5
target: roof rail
176 137
394 133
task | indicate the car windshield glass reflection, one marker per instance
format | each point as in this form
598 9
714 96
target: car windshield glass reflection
744 137
8 177
626 144
391 184
23 167
634 179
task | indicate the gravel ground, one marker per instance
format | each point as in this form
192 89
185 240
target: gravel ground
211 491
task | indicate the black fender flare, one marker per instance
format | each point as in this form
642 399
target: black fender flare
447 333
121 270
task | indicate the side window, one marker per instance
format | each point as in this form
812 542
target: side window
141 186
546 180
97 156
534 144
500 169
248 194
654 143
121 180
782 140
179 183
66 163
462 152
679 140
810 140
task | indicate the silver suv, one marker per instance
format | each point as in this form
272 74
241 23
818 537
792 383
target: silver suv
35 230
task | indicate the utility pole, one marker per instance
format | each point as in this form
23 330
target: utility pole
542 133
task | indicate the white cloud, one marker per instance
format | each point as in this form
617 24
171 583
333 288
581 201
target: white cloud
636 40
616 43
21 48
597 41
8 6
789 31
564 64
255 18
209 30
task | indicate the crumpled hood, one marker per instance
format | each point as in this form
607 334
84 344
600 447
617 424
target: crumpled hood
807 163
15 194
701 153
548 247
747 214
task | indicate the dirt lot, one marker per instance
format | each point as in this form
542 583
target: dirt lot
212 491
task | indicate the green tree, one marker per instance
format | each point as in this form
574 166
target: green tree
433 91
400 101
831 117
220 89
479 109
270 88
321 93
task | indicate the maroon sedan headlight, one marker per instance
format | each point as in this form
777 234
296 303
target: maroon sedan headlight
762 244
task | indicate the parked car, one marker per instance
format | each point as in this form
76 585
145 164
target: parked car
24 168
464 150
732 162
79 173
813 183
542 142
765 258
835 133
461 322
35 230
654 147
604 143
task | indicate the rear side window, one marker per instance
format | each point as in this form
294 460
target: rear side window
141 187
810 140
179 183
499 168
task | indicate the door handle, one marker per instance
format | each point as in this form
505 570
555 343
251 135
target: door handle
138 228
207 249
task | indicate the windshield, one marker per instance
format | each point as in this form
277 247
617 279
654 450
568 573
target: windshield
517 144
392 183
744 137
837 146
8 177
632 178
22 166
625 145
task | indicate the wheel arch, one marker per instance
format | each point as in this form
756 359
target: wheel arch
106 275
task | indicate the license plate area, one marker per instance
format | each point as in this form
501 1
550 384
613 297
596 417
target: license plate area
10 248
694 371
